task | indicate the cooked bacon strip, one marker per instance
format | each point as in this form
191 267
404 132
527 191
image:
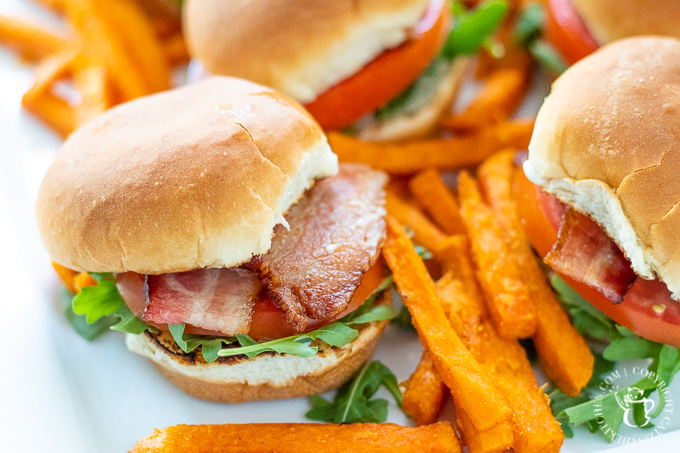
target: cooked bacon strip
584 252
215 299
336 231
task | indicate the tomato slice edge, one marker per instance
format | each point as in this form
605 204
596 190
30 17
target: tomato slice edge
637 312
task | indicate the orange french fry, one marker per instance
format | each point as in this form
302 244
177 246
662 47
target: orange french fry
424 397
66 275
469 383
508 302
175 50
41 102
31 41
300 437
82 280
425 232
136 32
165 27
441 153
56 113
92 84
494 440
118 35
437 200
503 92
534 427
563 353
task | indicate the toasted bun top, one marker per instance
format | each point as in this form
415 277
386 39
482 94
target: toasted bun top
189 178
607 141
609 20
299 47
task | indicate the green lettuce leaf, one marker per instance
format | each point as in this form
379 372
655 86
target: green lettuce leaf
418 94
472 29
210 345
96 301
353 402
592 407
529 32
337 334
97 309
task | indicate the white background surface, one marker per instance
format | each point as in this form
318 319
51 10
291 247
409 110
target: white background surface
59 393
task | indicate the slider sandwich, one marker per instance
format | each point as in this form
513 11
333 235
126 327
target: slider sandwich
383 68
224 238
578 28
605 211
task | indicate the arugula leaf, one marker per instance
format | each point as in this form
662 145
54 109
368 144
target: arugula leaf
472 29
100 300
79 322
353 403
529 26
97 309
593 407
418 94
338 333
587 319
547 56
403 320
210 345
128 322
528 33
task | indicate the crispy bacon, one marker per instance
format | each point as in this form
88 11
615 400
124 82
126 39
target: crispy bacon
215 299
336 231
584 252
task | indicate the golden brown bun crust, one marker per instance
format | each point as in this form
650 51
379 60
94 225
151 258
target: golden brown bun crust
299 47
265 377
190 178
609 20
607 140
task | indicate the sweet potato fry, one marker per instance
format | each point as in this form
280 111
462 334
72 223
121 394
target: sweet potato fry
176 50
66 275
31 41
425 232
563 353
437 200
494 440
500 96
118 35
300 437
507 298
41 102
469 384
56 113
440 153
91 82
136 32
534 427
426 392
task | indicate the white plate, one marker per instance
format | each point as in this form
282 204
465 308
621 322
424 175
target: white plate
61 393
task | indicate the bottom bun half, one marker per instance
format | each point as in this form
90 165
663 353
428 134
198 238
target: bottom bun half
269 376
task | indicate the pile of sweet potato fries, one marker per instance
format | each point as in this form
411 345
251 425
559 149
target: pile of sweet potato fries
491 292
113 52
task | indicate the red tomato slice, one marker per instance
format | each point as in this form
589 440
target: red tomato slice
268 321
647 308
385 77
567 32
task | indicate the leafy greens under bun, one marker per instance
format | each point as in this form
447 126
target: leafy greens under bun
609 20
301 48
150 186
606 142
268 376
